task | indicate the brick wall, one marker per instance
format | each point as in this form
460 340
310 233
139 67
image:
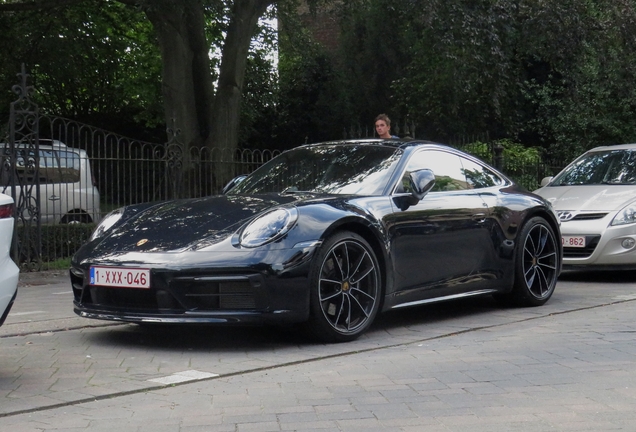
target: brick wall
323 24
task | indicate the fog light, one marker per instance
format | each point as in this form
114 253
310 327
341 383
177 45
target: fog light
628 243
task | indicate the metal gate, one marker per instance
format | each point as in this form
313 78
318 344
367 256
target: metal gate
20 175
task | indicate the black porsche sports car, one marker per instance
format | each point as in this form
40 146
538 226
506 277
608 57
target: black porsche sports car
326 234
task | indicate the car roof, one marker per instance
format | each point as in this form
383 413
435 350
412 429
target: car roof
631 146
49 144
397 143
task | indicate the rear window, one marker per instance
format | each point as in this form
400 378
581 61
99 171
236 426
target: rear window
55 166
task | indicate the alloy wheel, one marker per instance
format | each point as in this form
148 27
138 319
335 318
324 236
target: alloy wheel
540 261
348 286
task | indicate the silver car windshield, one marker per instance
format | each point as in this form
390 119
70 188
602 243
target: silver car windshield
350 169
616 167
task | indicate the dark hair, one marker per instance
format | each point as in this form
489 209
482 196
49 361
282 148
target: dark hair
384 118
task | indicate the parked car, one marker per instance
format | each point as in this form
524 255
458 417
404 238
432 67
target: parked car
67 187
595 198
326 234
9 272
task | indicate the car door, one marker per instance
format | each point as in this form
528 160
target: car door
437 244
52 197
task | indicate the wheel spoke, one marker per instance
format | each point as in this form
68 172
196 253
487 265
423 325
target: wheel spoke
541 263
530 280
359 291
534 248
337 317
357 268
364 311
331 281
329 297
543 238
543 281
337 261
346 263
348 322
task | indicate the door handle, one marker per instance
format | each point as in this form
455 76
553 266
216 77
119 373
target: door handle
54 198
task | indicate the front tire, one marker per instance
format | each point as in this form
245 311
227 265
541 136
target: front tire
537 264
345 288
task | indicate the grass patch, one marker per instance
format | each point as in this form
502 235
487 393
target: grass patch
60 264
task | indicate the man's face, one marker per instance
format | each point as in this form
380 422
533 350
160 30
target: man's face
382 129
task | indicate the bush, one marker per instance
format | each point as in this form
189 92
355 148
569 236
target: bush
58 241
522 164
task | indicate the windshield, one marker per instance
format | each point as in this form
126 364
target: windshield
331 169
606 167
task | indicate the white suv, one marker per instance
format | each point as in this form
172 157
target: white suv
67 188
9 272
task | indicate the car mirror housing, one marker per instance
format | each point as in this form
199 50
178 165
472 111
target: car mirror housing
422 181
546 180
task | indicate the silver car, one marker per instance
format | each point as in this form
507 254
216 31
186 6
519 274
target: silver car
67 186
595 198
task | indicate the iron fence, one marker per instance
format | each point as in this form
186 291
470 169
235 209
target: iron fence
129 171
65 176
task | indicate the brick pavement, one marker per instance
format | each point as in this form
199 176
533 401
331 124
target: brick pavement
470 366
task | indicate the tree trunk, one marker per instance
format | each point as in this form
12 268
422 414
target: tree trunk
189 100
186 79
224 118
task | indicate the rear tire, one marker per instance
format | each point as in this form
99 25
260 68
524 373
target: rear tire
537 264
75 218
345 288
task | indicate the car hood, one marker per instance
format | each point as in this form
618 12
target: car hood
588 198
182 224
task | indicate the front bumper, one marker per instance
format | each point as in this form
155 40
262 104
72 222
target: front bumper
247 288
605 245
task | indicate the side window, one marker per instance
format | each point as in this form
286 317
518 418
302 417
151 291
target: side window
447 167
479 176
59 166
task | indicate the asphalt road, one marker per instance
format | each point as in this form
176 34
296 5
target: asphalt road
468 365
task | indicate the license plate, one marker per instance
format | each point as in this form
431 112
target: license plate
573 241
120 277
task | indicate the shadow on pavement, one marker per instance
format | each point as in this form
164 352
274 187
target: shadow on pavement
605 276
255 338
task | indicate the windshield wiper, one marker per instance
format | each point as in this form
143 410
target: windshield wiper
292 190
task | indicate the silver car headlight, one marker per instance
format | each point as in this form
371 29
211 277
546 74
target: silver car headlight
107 223
626 216
268 227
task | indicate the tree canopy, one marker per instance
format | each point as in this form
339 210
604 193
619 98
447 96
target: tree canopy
103 51
555 73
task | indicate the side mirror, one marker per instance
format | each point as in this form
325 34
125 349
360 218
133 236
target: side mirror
546 180
232 183
422 181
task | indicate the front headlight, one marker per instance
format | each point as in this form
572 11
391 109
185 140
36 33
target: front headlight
268 227
626 216
106 223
